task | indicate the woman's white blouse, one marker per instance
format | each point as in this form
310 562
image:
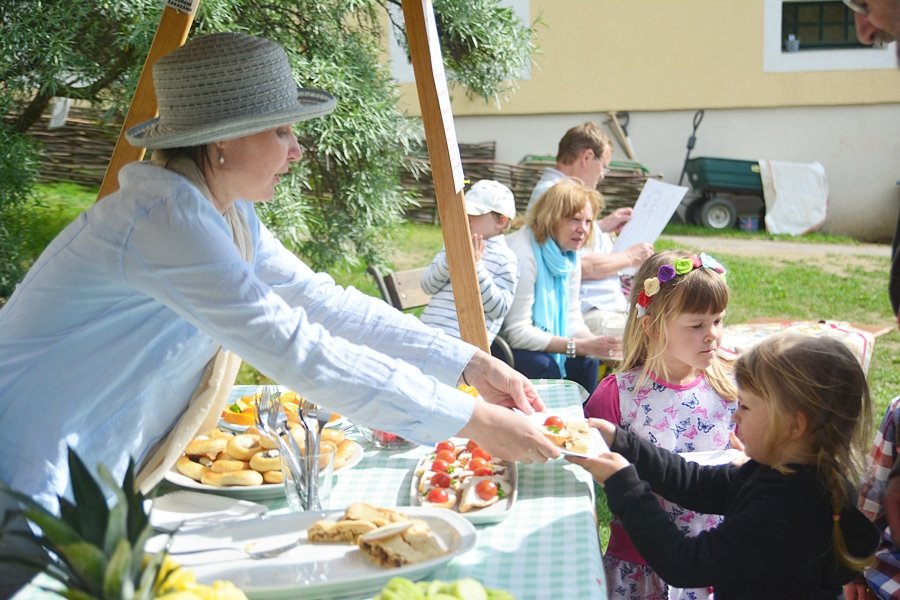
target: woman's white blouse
103 343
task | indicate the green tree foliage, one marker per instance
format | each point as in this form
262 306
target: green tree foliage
345 196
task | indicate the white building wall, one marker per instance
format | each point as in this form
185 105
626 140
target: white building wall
859 146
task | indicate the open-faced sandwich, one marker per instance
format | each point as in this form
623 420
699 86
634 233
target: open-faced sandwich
461 476
572 435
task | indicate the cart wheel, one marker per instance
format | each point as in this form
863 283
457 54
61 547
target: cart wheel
692 214
718 213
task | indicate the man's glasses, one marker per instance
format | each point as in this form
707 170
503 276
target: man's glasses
858 6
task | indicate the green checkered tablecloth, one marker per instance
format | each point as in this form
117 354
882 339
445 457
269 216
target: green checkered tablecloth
546 548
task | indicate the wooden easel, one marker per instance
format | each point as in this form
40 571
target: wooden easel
172 32
446 167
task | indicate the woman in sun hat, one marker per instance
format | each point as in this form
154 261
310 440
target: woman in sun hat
122 339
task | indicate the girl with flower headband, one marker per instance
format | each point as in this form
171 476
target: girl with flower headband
790 527
672 389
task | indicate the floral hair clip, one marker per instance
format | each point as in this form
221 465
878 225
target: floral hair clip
668 272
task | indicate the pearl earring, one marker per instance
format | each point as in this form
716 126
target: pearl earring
221 159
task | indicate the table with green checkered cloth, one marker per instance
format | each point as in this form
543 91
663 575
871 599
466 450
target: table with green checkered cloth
548 545
546 548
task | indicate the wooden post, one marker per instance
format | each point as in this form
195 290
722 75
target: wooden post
446 167
170 34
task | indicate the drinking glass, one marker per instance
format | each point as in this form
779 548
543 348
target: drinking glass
323 483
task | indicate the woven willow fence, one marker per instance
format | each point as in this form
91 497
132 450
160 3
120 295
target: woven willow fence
79 151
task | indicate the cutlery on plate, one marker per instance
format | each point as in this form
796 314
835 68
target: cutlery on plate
247 550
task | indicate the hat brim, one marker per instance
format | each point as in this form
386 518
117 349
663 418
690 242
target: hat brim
152 134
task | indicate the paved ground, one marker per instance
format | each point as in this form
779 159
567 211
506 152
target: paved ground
778 249
872 257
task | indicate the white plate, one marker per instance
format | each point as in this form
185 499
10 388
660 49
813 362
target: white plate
258 492
309 570
596 445
713 457
490 514
193 509
239 391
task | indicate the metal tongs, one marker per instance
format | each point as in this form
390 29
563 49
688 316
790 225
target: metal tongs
272 421
313 420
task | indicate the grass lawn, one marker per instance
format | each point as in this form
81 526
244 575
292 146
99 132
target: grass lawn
770 286
844 290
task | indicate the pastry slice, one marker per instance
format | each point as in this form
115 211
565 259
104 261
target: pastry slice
400 544
338 532
361 511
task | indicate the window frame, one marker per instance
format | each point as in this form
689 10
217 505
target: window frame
777 60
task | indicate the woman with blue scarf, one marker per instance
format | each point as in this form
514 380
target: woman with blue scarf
544 326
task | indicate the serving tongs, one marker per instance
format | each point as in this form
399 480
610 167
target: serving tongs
313 420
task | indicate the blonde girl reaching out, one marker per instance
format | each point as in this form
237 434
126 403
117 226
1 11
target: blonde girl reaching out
790 528
672 390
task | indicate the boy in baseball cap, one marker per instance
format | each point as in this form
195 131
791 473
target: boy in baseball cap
491 208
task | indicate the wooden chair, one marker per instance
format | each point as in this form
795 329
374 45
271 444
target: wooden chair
401 290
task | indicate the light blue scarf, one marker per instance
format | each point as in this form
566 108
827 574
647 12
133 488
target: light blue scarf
551 290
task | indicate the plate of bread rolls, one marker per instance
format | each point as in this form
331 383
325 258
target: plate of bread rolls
248 464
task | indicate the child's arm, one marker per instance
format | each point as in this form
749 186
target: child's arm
700 488
437 275
497 276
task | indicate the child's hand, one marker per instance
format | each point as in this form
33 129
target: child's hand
602 467
607 429
478 246
737 444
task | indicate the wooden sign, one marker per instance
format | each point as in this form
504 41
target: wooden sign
172 32
446 167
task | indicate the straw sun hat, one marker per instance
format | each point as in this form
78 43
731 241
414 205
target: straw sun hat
224 86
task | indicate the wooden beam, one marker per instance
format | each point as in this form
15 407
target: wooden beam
446 167
170 34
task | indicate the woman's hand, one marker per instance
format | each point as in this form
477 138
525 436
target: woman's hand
602 467
508 435
600 346
500 384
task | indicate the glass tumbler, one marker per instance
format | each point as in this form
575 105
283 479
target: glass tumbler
321 485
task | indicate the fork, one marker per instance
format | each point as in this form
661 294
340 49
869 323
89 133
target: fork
271 420
309 417
249 553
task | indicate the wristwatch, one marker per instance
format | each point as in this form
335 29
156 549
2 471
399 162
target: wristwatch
570 348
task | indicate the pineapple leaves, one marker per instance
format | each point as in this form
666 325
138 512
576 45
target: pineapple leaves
87 562
118 584
93 514
95 548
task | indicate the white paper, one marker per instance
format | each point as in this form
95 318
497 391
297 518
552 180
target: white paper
652 211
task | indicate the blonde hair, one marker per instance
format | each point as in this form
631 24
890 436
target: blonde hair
820 378
699 291
562 201
587 136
